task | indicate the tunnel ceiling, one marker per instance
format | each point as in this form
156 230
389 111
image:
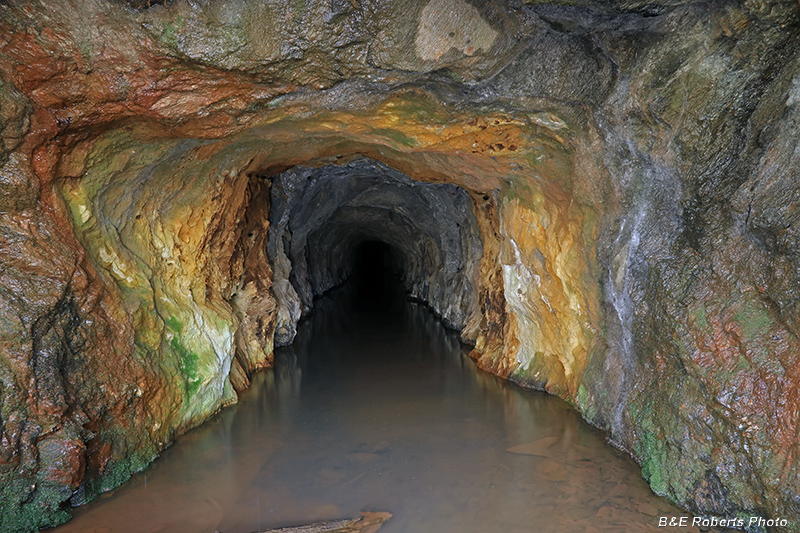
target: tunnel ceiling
602 196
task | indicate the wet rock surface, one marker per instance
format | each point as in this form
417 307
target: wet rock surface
631 167
319 218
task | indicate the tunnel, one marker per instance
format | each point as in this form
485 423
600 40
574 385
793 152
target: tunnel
366 221
597 200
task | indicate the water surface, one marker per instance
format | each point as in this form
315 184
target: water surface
380 408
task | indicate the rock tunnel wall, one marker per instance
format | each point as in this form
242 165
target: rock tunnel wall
319 216
631 168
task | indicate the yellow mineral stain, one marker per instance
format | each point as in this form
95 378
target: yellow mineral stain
544 264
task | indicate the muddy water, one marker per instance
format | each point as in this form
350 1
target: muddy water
381 409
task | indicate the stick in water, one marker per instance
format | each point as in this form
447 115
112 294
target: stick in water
369 522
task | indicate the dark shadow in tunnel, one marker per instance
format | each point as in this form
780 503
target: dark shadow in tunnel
377 277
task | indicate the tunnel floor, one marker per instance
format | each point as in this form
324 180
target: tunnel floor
380 408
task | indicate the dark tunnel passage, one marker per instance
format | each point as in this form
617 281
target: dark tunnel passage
377 276
369 224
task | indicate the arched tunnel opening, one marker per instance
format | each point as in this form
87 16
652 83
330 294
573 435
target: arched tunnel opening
389 236
218 265
600 198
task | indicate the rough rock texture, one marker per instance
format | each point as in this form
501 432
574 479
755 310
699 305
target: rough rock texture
631 174
320 217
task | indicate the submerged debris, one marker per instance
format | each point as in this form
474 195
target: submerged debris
369 522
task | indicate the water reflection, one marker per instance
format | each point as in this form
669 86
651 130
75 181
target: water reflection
381 409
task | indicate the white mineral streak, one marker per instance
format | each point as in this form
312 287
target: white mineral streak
84 213
217 334
113 262
516 280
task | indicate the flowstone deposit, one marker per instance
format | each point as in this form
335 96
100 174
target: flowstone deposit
609 210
